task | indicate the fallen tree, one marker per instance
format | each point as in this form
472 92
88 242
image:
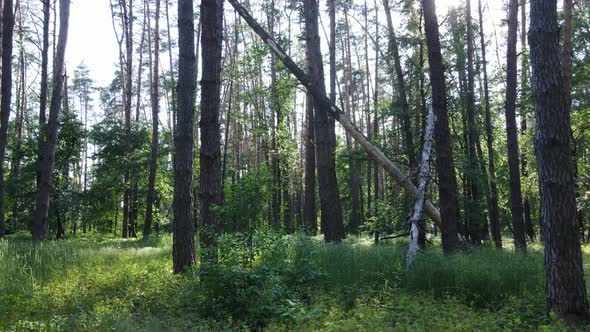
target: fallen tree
334 111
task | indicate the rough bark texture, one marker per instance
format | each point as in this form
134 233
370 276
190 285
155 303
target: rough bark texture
444 156
155 100
564 274
331 211
40 222
511 131
524 106
183 247
6 87
210 157
309 199
334 111
494 218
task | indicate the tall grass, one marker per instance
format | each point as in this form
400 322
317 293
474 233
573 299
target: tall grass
294 282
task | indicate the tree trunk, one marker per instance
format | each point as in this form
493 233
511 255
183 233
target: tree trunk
416 229
309 200
155 99
183 248
524 98
565 287
512 138
210 161
334 111
444 157
40 222
331 212
494 218
6 87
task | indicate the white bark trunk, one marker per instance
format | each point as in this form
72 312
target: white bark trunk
420 196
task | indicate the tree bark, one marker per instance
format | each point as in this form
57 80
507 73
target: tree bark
331 212
210 158
183 247
444 156
334 111
309 200
564 275
6 90
524 98
423 176
155 100
511 133
40 222
476 226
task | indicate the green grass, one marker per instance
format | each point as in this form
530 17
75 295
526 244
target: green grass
295 283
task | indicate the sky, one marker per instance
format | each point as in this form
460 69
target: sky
92 40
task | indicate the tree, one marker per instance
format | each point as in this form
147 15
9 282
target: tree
564 275
210 158
155 101
183 247
331 211
6 90
511 133
445 167
40 222
494 219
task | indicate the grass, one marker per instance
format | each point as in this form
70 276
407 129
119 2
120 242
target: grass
295 283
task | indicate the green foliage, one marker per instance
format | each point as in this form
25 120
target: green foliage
295 283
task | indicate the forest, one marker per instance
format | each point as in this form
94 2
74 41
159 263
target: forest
278 165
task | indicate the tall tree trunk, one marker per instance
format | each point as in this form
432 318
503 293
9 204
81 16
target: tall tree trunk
524 98
171 117
309 199
331 212
494 218
183 247
40 222
210 161
445 167
155 100
275 120
564 275
476 227
511 133
6 90
21 104
44 78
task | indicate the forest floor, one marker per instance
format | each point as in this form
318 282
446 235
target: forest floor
294 283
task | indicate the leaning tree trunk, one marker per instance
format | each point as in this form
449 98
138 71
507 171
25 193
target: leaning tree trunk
331 212
334 111
564 275
40 222
155 99
422 184
511 133
445 167
210 159
183 247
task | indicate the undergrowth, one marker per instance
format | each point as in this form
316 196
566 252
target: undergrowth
293 282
